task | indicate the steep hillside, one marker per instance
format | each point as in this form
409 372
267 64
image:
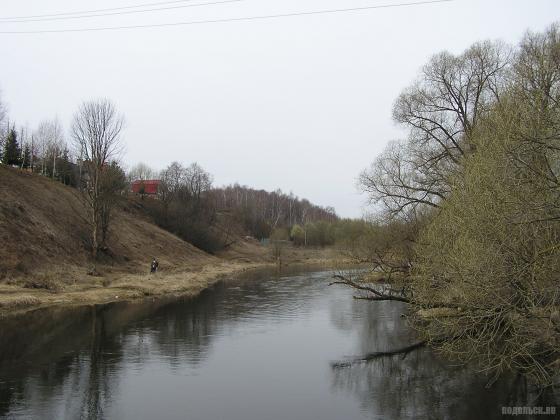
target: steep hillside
42 229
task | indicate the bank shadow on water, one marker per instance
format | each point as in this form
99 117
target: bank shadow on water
70 362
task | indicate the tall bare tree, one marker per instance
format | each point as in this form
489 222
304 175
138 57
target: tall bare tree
4 125
96 133
50 143
198 181
441 110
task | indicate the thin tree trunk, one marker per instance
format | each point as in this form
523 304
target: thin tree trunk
54 164
94 244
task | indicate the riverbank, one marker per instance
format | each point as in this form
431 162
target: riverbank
16 298
75 286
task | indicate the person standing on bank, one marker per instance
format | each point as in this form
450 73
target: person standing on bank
154 266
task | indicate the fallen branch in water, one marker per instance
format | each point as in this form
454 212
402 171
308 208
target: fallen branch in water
377 294
378 354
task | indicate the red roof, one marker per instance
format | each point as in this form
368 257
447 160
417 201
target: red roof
146 187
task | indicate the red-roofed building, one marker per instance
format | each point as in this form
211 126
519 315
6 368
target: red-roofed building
148 187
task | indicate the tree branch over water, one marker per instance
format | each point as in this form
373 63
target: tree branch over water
378 296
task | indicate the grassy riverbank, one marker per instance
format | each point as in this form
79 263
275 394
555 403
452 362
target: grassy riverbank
22 296
76 287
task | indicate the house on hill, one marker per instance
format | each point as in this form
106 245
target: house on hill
146 187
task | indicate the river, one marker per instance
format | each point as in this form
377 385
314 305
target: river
259 347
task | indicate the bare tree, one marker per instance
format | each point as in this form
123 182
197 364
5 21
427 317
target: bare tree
141 172
397 179
198 180
172 178
441 110
41 139
96 132
4 124
49 139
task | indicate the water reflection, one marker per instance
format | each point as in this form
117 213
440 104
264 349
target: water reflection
419 384
256 347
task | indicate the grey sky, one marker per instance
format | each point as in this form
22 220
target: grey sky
300 103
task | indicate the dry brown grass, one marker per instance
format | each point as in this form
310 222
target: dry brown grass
19 301
118 287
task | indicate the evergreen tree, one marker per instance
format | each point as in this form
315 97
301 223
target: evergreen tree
66 169
12 151
26 163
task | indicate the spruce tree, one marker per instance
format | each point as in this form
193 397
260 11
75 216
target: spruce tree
65 169
12 151
26 162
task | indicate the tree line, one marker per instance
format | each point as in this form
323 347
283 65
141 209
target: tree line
468 205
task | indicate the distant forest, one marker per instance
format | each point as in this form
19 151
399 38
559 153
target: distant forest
262 211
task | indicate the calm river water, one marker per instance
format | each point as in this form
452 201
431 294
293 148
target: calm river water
255 348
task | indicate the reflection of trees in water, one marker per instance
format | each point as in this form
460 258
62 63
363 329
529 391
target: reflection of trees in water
184 330
419 384
379 327
82 359
77 353
415 386
83 377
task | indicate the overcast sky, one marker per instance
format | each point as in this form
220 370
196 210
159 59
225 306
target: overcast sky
298 103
